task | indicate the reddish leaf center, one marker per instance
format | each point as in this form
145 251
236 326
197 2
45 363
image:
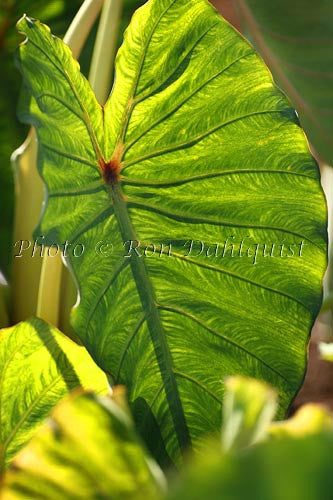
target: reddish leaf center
110 170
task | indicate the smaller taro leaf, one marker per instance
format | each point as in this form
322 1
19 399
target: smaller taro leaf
195 143
87 449
38 367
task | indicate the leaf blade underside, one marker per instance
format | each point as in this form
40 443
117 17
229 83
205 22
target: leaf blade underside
195 143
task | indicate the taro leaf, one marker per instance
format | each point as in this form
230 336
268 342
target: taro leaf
38 367
195 143
295 38
59 13
87 449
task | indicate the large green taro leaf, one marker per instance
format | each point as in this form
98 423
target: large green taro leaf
195 143
295 38
38 367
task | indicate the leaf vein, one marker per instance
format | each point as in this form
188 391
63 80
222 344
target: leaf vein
192 317
192 141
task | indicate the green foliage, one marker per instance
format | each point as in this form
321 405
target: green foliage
88 448
295 39
195 143
287 469
248 409
293 463
38 367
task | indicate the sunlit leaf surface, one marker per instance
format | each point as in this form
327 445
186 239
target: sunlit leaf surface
195 144
38 367
87 449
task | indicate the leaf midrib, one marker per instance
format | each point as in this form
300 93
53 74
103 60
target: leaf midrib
158 336
143 283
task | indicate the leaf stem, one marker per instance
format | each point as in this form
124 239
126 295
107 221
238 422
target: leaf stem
28 203
49 289
105 49
81 25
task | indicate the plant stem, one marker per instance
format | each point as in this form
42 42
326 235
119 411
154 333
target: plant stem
28 202
31 283
49 290
81 25
105 49
68 297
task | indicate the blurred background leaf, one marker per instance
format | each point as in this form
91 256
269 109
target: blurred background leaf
295 39
309 419
294 461
326 351
285 469
249 407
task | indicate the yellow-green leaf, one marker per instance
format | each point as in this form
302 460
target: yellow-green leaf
87 449
38 367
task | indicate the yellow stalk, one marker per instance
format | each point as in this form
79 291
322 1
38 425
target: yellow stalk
105 49
29 198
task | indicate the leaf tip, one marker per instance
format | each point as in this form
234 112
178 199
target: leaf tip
25 21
